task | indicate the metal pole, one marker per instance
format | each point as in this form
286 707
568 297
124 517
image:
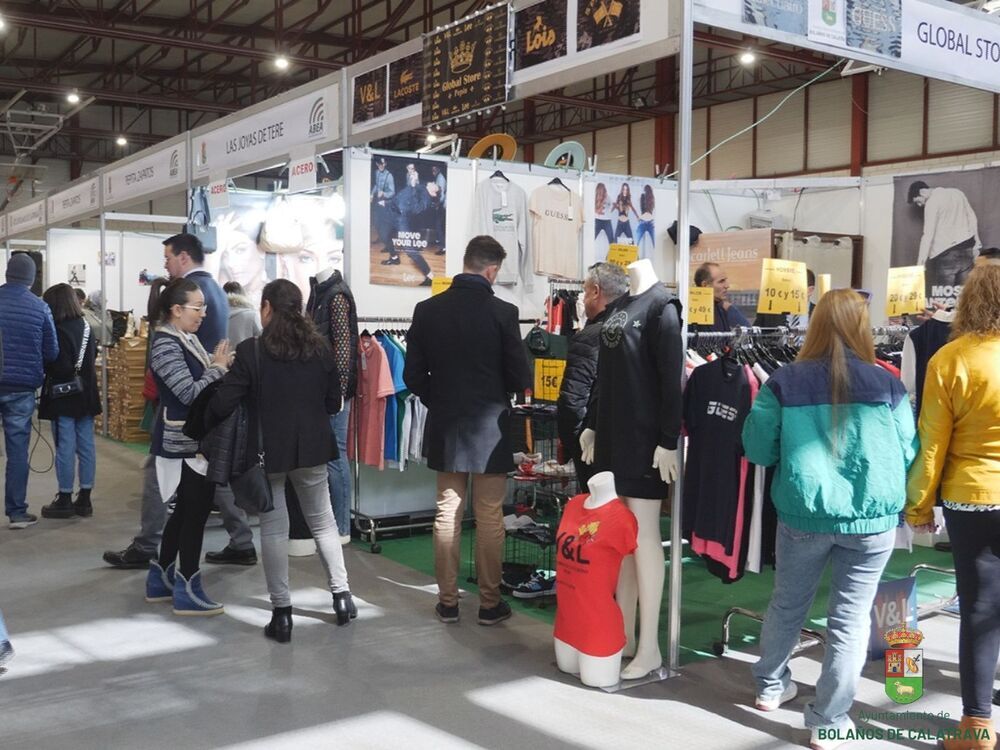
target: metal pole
686 74
105 333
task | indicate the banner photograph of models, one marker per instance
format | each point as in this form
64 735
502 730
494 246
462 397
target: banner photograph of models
408 218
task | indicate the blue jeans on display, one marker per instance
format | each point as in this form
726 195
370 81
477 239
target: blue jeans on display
339 472
858 562
16 410
74 439
3 630
645 228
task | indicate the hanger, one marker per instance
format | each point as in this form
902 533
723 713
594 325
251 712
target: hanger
499 174
560 183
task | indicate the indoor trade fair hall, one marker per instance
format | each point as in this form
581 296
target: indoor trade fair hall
460 374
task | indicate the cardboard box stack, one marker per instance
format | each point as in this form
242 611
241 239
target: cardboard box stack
126 364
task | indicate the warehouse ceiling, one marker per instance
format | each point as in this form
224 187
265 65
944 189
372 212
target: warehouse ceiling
144 70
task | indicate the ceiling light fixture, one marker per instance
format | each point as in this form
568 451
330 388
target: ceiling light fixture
748 58
121 140
431 137
281 62
3 23
73 97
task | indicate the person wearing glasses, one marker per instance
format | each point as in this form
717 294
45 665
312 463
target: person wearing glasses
182 369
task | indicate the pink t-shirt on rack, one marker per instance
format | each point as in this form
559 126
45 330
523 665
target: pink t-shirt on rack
367 419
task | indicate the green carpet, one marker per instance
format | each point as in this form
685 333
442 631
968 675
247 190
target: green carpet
705 599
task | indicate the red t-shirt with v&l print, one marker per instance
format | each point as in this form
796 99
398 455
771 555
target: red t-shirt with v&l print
590 547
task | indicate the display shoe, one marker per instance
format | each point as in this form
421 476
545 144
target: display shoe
82 506
773 704
61 507
190 598
280 627
344 607
159 583
972 733
392 260
130 558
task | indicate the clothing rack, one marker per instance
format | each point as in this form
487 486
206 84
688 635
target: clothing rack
368 526
565 286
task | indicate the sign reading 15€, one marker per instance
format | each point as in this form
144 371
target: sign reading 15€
548 379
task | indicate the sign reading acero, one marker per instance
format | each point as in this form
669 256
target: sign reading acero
166 167
270 133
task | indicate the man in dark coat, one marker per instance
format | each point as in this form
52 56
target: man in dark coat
605 283
464 357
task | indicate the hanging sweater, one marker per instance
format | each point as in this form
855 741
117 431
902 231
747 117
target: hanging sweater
501 212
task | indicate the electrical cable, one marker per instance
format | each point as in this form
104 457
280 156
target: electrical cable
752 125
795 211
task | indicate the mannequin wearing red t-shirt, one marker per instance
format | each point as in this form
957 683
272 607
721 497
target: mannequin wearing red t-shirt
596 533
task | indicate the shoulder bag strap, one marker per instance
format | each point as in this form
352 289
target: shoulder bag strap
259 391
83 347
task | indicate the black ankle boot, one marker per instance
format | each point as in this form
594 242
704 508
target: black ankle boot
344 606
61 507
280 627
82 505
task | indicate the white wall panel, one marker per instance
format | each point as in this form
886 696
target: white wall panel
781 138
735 159
895 115
829 136
612 150
958 118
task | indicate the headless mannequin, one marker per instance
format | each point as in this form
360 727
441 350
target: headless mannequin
642 576
594 671
325 274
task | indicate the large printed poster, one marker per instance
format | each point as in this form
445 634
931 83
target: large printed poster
604 21
941 221
741 256
624 213
875 26
408 211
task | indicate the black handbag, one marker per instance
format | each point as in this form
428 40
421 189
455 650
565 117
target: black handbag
72 387
252 489
200 222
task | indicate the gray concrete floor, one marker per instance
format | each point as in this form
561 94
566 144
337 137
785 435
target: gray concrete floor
96 667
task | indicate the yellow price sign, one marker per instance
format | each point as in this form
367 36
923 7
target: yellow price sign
440 284
623 255
701 305
906 292
783 287
823 283
548 379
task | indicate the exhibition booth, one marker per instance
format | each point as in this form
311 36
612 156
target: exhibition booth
290 187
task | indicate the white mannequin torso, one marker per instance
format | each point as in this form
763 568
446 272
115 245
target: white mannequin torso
325 274
641 276
602 490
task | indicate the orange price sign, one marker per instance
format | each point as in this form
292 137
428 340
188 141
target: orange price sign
701 305
548 378
440 284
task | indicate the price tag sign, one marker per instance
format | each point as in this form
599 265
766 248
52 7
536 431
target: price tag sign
548 378
823 282
701 305
906 292
783 287
623 255
440 284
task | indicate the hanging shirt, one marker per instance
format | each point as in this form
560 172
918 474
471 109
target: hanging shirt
367 418
590 546
557 216
501 212
394 355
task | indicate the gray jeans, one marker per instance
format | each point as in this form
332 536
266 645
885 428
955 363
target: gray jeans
313 491
154 515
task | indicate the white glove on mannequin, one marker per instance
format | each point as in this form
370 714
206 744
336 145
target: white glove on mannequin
664 460
587 439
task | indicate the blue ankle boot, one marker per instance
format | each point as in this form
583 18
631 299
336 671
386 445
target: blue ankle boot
190 598
159 583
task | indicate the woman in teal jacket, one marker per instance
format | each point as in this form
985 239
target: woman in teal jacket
840 431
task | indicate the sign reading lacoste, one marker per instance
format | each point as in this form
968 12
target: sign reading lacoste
26 218
270 133
163 168
80 200
466 66
406 81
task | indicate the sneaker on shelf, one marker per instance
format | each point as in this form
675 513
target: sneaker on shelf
536 586
773 704
22 521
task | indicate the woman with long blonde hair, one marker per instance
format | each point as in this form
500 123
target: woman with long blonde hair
959 461
840 430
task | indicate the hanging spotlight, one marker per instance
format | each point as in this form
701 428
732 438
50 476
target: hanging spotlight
73 97
431 137
748 57
281 62
121 140
3 23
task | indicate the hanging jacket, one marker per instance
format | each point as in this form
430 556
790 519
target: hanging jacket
578 393
332 308
28 338
848 479
959 429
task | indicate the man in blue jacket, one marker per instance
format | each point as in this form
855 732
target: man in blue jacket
27 342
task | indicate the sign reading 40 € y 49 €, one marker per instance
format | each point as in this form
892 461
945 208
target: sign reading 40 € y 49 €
783 287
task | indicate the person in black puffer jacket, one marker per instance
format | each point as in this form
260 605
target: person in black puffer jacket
604 284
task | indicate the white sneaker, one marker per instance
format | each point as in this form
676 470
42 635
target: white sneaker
832 738
345 539
772 704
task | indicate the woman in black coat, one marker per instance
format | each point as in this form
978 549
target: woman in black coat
299 388
72 416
